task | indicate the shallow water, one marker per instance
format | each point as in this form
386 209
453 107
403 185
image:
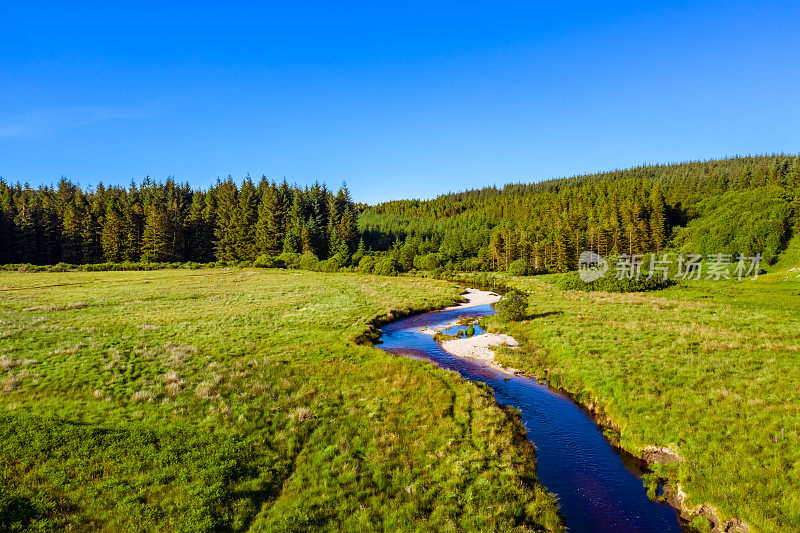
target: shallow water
596 490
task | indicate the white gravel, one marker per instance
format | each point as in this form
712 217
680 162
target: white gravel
475 298
478 346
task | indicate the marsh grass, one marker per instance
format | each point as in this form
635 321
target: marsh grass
707 368
231 400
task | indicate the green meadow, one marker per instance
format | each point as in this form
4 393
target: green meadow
237 400
709 369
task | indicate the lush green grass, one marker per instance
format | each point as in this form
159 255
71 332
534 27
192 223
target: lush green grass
235 400
709 369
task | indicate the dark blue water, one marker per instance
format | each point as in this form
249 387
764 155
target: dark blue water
596 490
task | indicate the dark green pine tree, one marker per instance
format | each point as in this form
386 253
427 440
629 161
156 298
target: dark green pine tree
156 245
174 206
134 221
316 227
51 228
114 233
293 240
73 230
92 251
28 224
225 232
199 232
658 226
8 241
273 219
244 222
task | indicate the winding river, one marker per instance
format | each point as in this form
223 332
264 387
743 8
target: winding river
596 489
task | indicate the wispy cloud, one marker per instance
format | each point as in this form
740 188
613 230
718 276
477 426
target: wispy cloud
43 121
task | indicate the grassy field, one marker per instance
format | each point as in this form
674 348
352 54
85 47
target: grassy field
709 369
236 400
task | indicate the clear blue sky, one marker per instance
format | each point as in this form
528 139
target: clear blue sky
401 100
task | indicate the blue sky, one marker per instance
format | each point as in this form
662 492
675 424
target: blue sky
400 100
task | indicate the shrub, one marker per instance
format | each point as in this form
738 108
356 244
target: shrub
386 267
60 267
289 259
328 265
519 267
366 264
513 306
428 262
308 261
572 282
264 261
700 523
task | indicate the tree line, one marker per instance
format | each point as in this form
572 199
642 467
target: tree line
170 222
736 205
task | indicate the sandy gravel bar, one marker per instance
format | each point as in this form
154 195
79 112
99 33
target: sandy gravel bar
475 298
479 346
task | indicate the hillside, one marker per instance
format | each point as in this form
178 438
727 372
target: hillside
742 205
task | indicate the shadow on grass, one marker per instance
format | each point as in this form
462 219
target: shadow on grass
534 316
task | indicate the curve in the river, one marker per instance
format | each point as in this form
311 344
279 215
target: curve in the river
596 490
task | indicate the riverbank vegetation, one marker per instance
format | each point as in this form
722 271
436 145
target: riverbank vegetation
236 400
707 369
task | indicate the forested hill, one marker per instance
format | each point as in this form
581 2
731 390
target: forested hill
739 205
742 205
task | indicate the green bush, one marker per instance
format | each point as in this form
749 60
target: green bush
387 267
328 265
429 262
289 259
366 264
520 267
571 281
700 523
513 306
268 261
308 261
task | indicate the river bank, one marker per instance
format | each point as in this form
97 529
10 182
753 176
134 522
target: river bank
478 347
611 353
481 348
571 450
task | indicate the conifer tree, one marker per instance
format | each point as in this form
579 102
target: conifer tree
243 222
156 238
657 220
114 233
225 232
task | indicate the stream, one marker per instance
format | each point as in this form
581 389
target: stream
597 490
